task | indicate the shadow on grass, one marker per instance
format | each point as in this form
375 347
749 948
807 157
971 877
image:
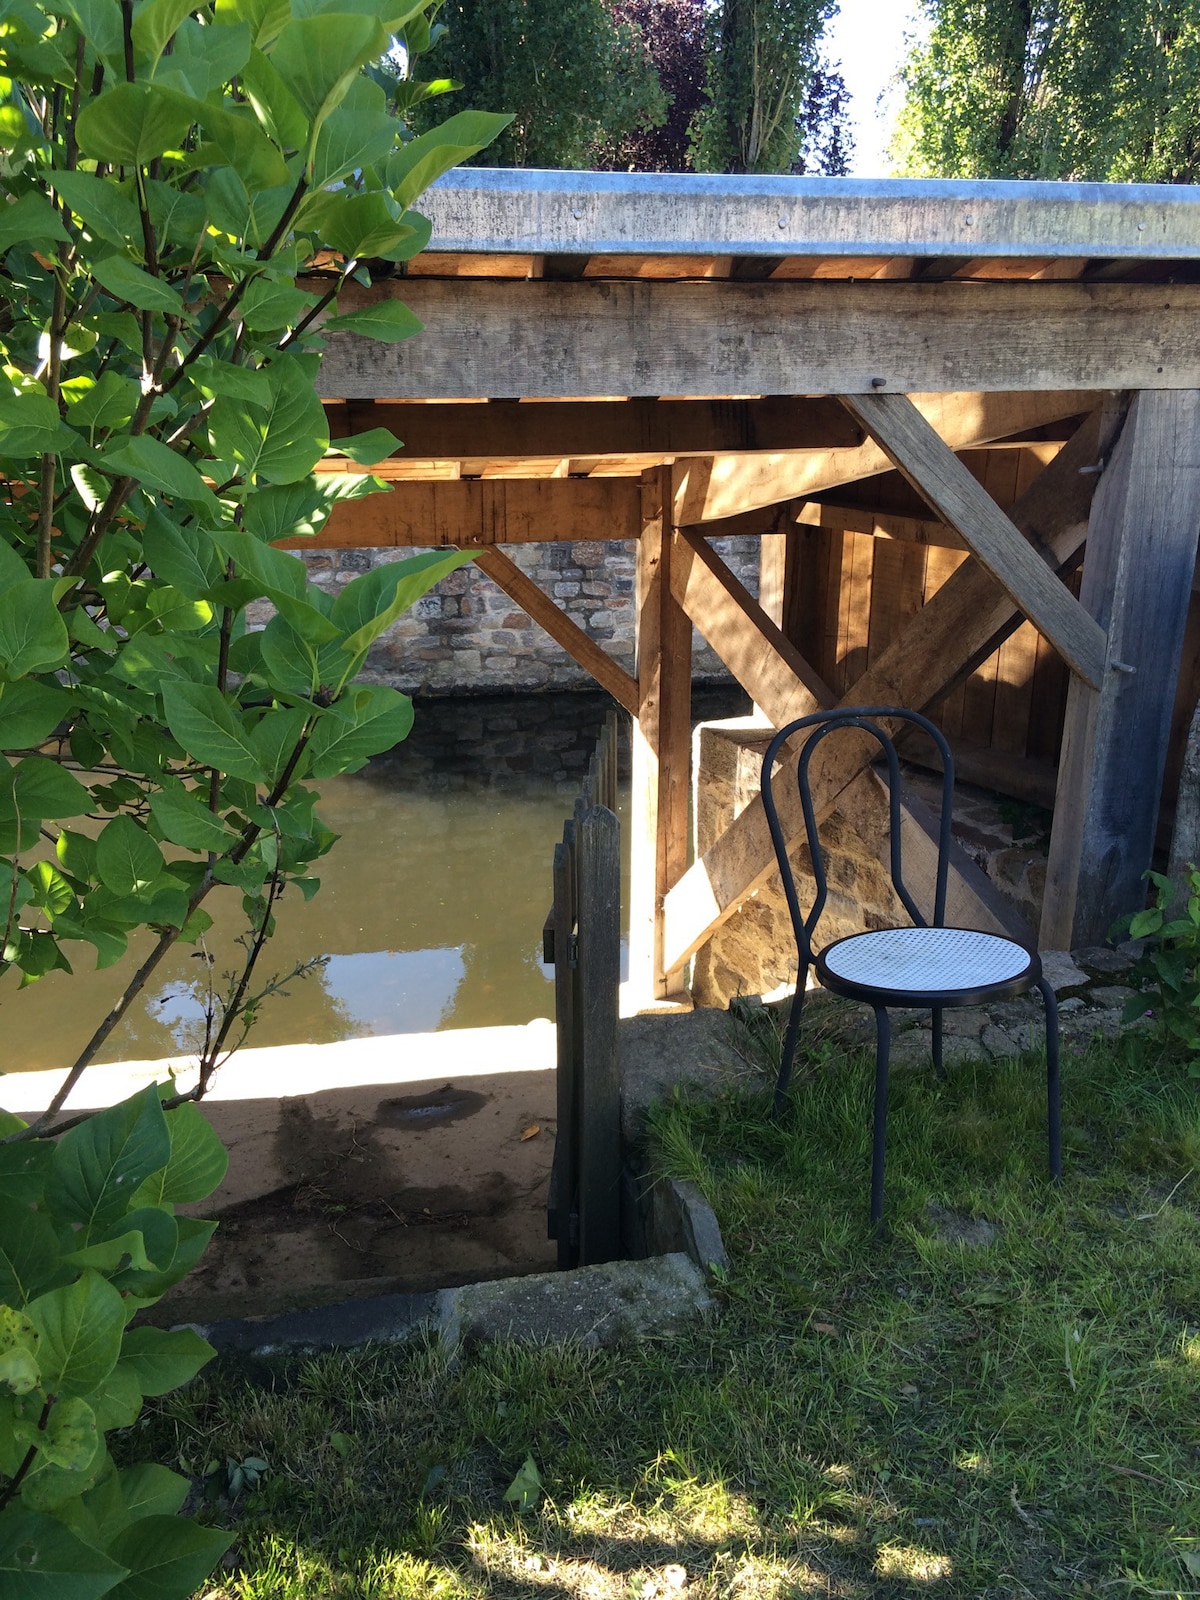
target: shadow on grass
983 1411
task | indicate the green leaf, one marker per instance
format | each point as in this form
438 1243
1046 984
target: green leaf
30 712
44 789
193 1237
277 443
423 160
19 1371
80 1328
201 720
162 1360
129 283
273 572
301 667
40 1559
197 1165
360 133
149 1490
185 820
155 24
275 739
263 17
526 1488
119 1403
266 306
1145 922
238 139
132 124
157 466
103 207
367 448
318 58
28 424
69 1437
186 558
213 377
127 858
30 1257
30 220
204 59
370 224
99 1164
109 403
362 724
167 1557
370 604
23 1169
389 321
274 105
299 510
33 636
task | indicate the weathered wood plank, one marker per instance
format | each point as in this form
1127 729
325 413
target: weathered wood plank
963 623
591 657
1141 554
564 1177
726 486
662 744
940 478
579 339
483 512
600 428
884 525
598 846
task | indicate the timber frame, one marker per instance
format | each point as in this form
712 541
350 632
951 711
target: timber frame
664 359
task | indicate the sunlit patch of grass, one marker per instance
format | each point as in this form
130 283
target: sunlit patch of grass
1012 1416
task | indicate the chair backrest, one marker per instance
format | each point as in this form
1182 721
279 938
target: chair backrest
825 723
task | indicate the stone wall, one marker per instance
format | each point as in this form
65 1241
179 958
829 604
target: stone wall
466 636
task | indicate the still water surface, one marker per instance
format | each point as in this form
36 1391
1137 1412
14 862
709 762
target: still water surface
430 911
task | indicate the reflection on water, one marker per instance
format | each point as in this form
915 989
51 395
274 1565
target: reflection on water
431 907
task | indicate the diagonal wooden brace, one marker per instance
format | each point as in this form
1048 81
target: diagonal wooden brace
959 627
941 479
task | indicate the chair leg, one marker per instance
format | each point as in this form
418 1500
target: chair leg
937 1042
789 1040
1053 1098
883 1051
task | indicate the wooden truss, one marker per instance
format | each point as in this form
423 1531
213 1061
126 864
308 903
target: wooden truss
1121 474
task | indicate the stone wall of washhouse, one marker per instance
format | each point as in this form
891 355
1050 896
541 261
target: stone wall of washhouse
467 637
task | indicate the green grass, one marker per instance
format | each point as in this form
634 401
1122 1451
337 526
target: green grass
886 1418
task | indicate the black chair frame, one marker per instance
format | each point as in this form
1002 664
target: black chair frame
880 999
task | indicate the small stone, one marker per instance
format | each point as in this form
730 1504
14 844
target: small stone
1067 1007
998 1044
1061 972
968 1023
1099 958
1111 995
962 1050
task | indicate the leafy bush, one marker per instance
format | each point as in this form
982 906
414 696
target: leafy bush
189 193
1168 971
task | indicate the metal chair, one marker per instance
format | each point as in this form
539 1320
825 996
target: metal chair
923 965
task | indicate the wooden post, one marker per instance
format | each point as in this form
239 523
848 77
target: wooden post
662 740
598 843
1137 580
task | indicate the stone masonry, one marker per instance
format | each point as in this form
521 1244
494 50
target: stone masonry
466 636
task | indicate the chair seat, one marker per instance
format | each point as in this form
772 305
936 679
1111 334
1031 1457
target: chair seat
950 966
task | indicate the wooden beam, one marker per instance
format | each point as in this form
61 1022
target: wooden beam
724 486
773 671
881 524
505 573
471 512
1137 578
937 474
722 338
662 742
505 428
961 625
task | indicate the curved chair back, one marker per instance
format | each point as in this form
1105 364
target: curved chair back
826 723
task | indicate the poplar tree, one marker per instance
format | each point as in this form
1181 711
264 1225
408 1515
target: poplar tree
1060 89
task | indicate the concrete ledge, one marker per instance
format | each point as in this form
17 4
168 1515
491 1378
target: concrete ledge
385 1319
603 1305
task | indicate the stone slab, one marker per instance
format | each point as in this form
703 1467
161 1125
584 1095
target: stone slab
1059 968
384 1319
695 1050
614 1303
682 1219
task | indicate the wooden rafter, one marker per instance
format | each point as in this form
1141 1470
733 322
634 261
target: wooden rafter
936 473
960 626
522 590
726 486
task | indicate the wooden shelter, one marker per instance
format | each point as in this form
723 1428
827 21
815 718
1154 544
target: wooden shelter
964 416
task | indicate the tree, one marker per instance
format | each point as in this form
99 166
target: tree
674 34
823 125
167 172
1071 89
762 57
573 76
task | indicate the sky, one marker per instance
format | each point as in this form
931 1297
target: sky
867 38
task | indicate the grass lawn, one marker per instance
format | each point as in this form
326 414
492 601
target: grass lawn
918 1415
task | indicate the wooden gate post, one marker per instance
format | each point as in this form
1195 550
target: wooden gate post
662 744
1137 583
